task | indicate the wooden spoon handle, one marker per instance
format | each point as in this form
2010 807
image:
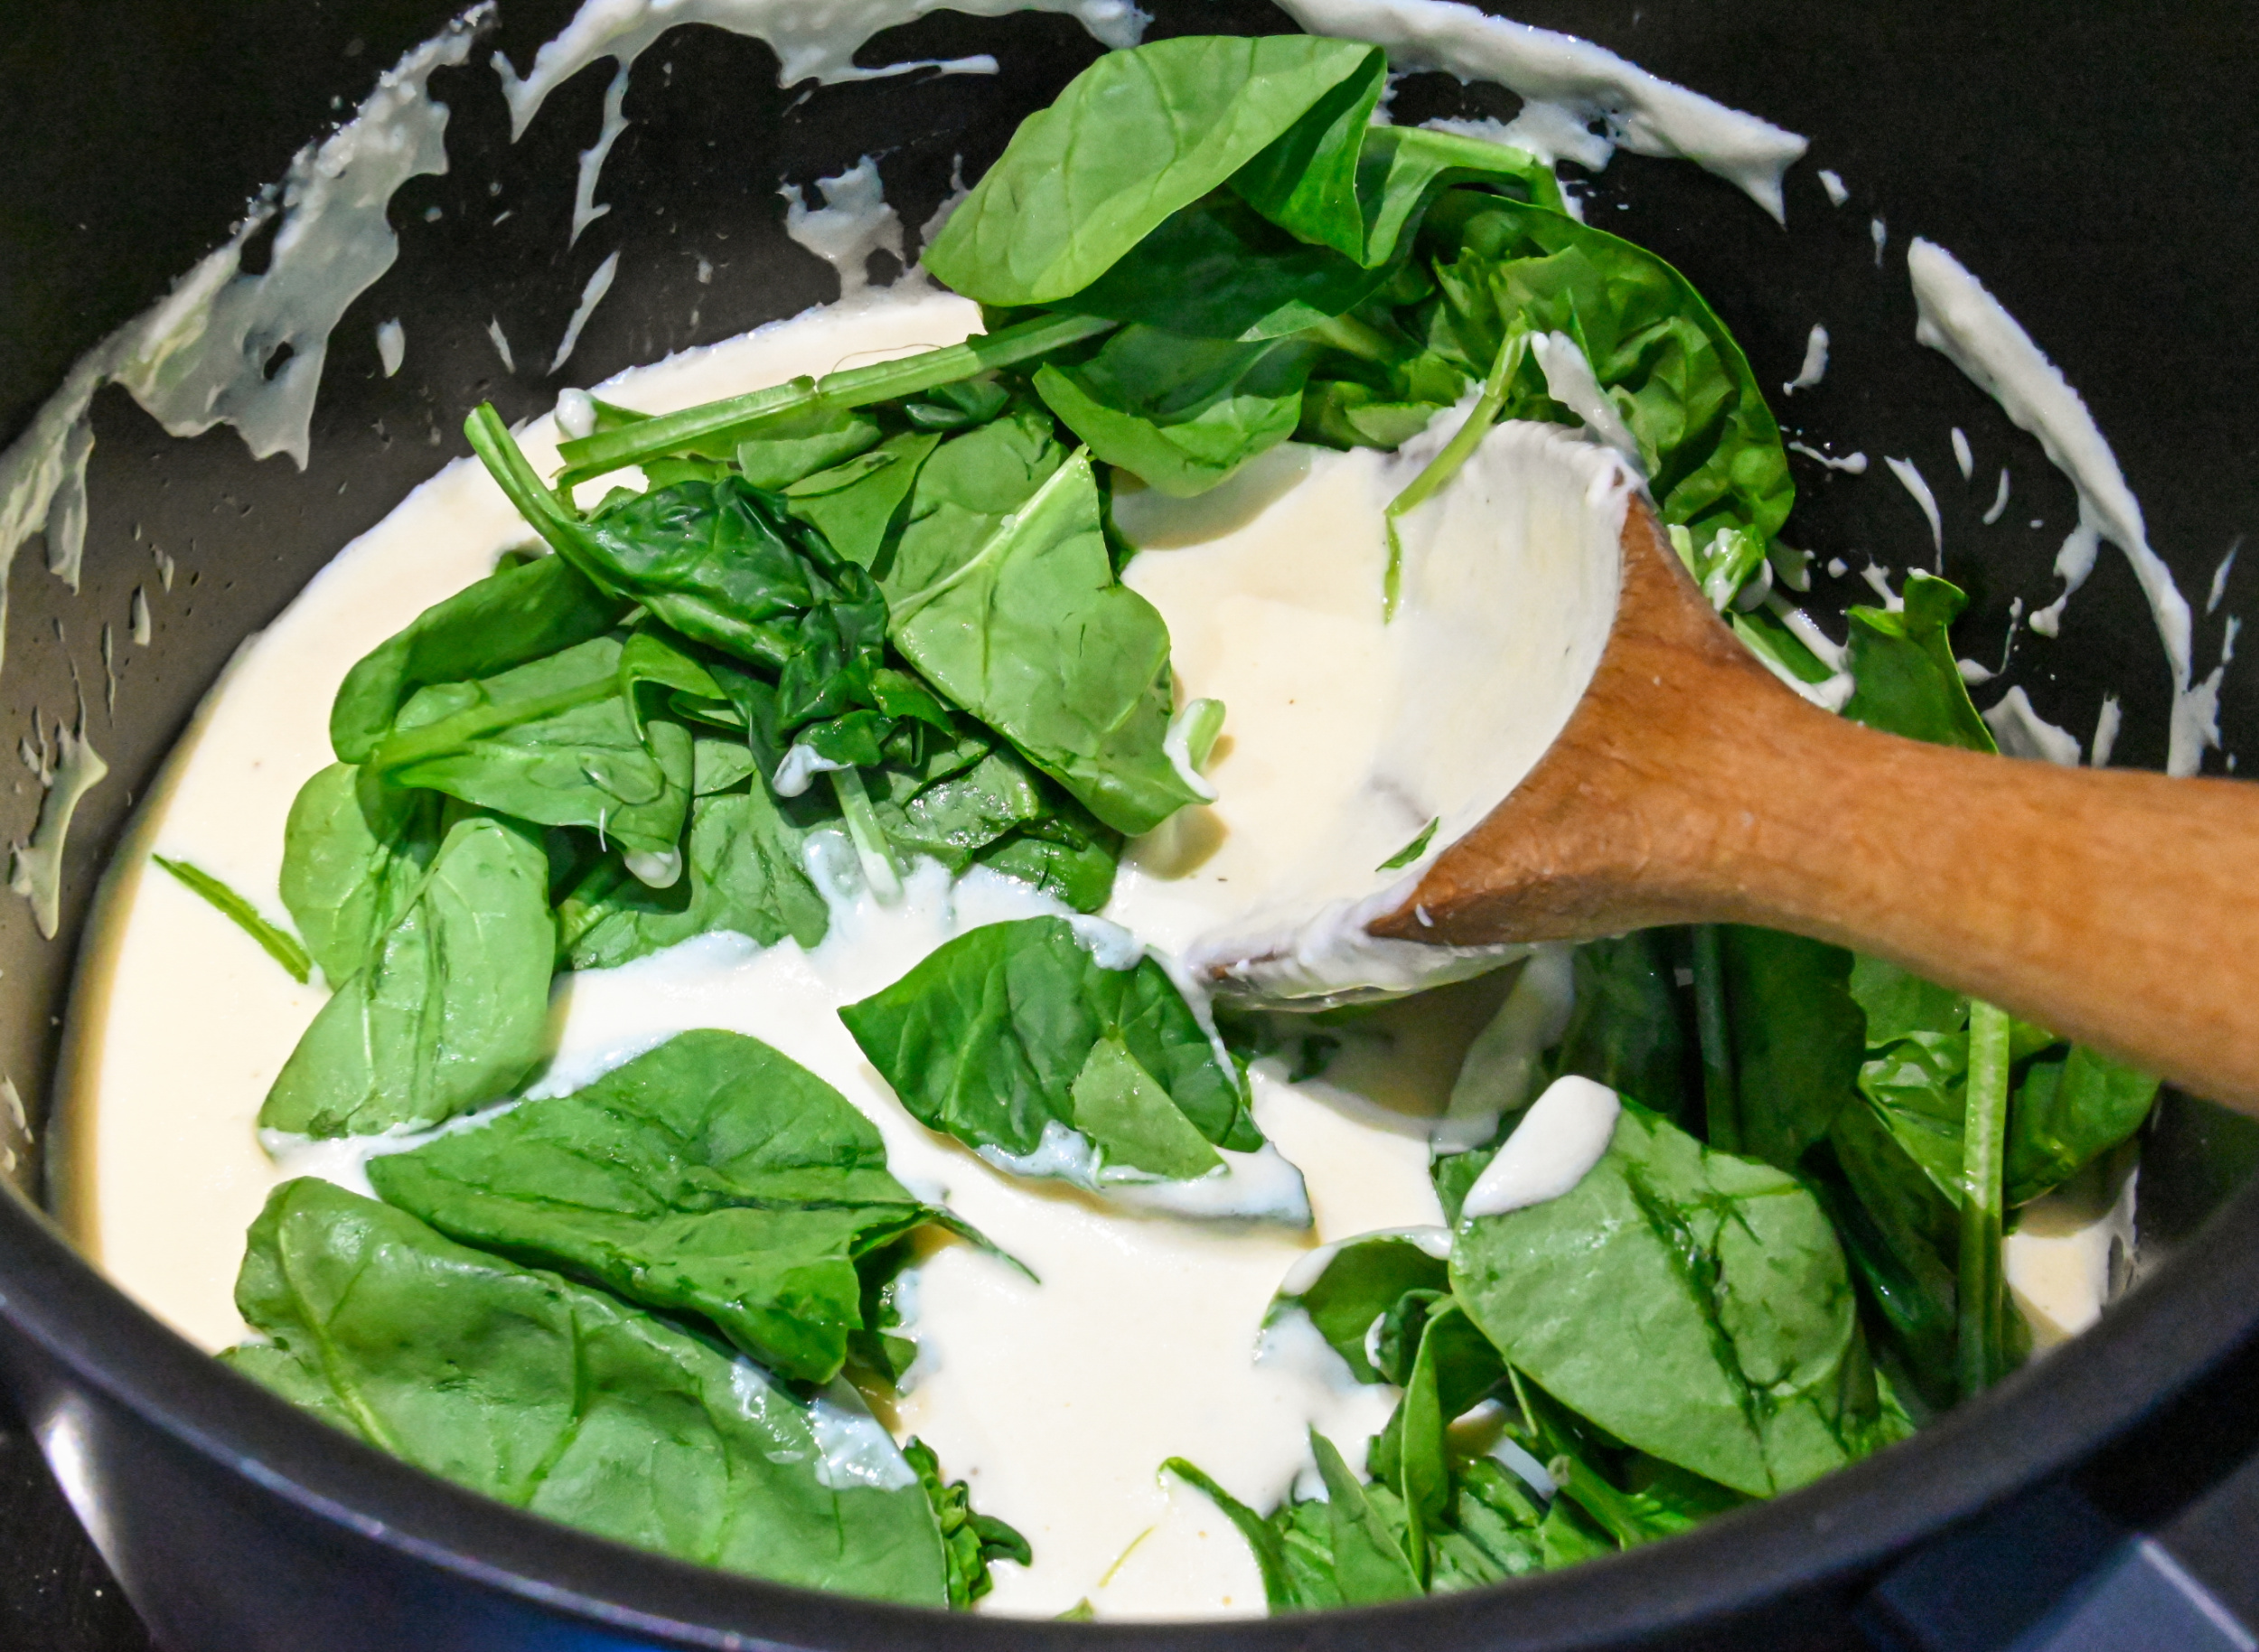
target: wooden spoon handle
2118 907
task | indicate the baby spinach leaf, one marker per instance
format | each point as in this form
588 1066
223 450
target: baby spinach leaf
1798 1038
1693 1304
555 742
1181 414
1027 628
857 505
788 449
1369 1564
2068 1112
1707 440
277 942
1363 1281
451 1009
1908 682
1220 270
1124 1108
1132 139
971 1542
1263 1538
745 873
712 1176
1306 181
558 1399
988 1037
354 853
509 617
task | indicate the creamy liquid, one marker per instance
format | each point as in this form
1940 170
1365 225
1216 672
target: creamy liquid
1059 1401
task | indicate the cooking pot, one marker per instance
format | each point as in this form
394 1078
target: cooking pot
2097 166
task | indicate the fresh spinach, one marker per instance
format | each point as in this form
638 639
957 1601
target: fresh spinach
1693 1304
712 1176
1010 1029
1026 628
1135 137
511 616
1798 1039
744 872
970 1541
450 1009
1362 1281
554 1397
354 853
1908 682
2068 1112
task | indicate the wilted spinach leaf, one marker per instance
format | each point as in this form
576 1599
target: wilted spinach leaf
1910 682
556 1398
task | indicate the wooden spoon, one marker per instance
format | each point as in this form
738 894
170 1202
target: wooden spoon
2117 907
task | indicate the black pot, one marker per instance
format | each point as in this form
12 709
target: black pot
2095 166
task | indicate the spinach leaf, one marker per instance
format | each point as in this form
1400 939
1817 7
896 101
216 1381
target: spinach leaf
1219 270
511 616
1798 1038
976 802
1306 181
1027 628
1133 138
354 853
787 449
1693 1304
2067 1113
1707 440
554 741
1012 1027
1909 682
745 872
451 1009
1361 1280
556 1398
1370 1560
711 1175
1983 1352
970 1541
1181 414
277 944
857 506
1263 1538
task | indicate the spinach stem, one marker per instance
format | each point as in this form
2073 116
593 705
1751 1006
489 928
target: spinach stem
722 423
1446 463
1721 1104
1981 1359
278 944
879 869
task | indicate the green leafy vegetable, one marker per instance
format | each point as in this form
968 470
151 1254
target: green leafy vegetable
2068 1112
711 1177
451 1010
1027 628
1798 1038
1133 138
555 742
556 1398
744 873
1908 682
511 616
1360 1283
354 853
970 1541
1693 1304
1012 1027
1985 1354
277 944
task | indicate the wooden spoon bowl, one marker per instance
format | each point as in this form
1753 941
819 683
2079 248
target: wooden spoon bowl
1690 785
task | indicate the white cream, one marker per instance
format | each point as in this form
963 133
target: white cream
1816 363
854 222
1590 84
592 295
1564 1135
2023 732
1965 323
2107 722
1910 478
2070 1250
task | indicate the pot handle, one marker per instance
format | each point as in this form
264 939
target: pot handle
2051 1572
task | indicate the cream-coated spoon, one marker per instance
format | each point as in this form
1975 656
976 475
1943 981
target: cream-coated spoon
1690 785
